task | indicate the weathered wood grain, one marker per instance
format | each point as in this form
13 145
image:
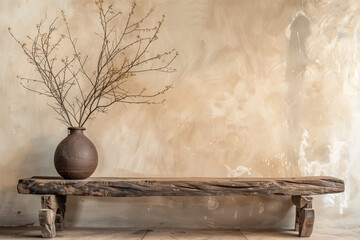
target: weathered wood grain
300 202
307 219
57 204
47 223
305 215
138 187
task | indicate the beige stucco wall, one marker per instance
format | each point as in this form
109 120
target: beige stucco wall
263 89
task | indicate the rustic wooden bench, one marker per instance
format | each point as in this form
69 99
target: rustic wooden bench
54 191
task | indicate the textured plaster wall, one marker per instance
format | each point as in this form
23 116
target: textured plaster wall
263 89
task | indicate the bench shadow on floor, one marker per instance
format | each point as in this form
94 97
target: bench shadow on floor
23 233
141 234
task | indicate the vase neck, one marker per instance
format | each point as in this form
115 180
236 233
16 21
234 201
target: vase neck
76 130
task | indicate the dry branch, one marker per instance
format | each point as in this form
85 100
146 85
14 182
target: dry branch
79 93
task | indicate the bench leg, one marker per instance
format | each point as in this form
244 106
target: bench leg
55 204
305 215
47 223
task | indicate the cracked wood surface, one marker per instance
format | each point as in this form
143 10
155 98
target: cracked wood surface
138 187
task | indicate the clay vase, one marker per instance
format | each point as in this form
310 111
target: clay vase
75 156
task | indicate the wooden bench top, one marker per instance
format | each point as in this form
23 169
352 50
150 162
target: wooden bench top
138 187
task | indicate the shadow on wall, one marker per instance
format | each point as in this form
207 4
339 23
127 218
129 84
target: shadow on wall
183 212
296 66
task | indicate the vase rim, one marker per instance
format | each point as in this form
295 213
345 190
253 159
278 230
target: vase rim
76 128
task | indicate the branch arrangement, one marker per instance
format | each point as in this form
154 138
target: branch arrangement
78 92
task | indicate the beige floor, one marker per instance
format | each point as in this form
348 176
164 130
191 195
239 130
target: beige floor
177 234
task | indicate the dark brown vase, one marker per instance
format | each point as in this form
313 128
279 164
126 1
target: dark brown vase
75 156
